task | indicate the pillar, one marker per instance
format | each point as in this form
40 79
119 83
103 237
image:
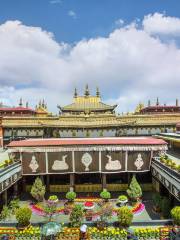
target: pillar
47 183
15 190
129 177
104 180
5 197
24 184
72 181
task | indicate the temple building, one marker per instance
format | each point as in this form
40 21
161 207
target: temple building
87 147
87 116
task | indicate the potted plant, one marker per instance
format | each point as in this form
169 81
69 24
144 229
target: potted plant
122 200
134 191
175 214
105 214
23 216
105 195
76 216
125 216
88 206
156 198
71 195
53 199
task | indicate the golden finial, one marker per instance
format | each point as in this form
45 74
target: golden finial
86 91
97 92
177 102
157 102
20 102
75 93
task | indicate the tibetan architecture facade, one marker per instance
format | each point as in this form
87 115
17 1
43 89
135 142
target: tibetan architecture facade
86 117
95 162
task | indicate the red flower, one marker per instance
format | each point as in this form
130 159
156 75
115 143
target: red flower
88 204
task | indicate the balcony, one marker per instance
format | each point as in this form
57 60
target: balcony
168 177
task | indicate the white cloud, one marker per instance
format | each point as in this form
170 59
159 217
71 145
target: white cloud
129 66
55 1
72 14
158 23
119 22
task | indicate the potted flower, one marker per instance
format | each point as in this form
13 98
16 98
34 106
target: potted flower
122 200
53 199
88 206
23 216
105 195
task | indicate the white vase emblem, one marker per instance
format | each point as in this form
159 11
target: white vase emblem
112 164
33 164
86 160
139 162
60 164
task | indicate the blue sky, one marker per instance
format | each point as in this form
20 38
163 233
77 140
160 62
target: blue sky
92 17
130 49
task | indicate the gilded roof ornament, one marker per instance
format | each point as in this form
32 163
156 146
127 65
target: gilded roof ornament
86 93
97 92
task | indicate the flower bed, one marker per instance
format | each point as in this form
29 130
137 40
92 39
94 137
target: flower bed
88 200
31 232
37 209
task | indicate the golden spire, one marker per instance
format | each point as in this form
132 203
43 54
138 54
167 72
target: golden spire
97 92
177 102
75 93
157 102
20 102
86 93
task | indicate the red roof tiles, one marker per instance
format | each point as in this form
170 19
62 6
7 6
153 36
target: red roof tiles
87 141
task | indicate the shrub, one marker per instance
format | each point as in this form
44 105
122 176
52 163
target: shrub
14 205
125 216
5 213
38 190
76 216
70 195
134 191
105 194
156 197
23 216
122 198
175 214
165 207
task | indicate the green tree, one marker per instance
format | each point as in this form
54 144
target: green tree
125 216
38 190
23 216
134 191
76 216
175 214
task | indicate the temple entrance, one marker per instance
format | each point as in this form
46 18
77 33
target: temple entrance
88 182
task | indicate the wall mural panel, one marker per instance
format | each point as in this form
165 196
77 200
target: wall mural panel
86 161
113 161
138 161
59 162
33 163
